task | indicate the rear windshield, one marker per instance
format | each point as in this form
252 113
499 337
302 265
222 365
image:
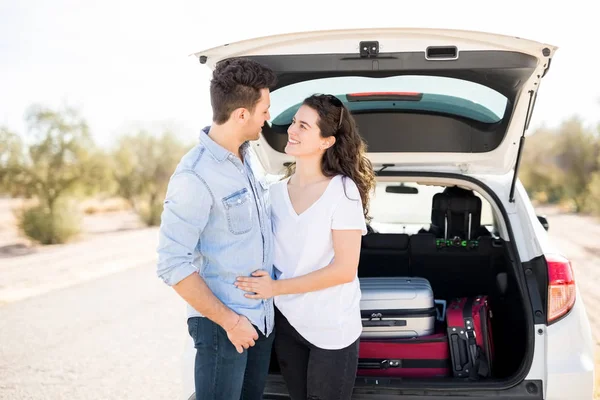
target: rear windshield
442 95
411 211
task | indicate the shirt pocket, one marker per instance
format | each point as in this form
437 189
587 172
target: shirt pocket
238 208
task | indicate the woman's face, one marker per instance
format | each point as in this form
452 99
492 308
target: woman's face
304 136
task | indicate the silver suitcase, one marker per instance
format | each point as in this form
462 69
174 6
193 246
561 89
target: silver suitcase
396 308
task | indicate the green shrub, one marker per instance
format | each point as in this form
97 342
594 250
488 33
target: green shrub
151 213
50 227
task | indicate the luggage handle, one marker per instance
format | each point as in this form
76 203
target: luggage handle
455 342
441 315
462 347
369 365
473 352
468 357
389 322
471 337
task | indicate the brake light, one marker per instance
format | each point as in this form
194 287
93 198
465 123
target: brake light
561 286
383 96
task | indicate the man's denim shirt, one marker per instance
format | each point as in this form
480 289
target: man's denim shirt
217 222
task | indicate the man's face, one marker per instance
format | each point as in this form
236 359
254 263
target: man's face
259 116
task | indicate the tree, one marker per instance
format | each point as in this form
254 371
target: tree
592 203
577 155
539 173
143 165
558 164
59 159
56 158
11 155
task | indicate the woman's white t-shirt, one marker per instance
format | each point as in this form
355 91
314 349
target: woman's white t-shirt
329 318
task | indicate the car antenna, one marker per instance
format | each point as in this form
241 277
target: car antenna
511 197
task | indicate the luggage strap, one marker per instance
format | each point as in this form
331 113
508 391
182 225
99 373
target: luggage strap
385 363
473 351
479 364
472 347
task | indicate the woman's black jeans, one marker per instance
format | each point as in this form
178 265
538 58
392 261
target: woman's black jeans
311 373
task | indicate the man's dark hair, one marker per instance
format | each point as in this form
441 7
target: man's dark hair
237 83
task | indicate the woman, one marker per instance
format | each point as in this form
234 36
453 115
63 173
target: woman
319 212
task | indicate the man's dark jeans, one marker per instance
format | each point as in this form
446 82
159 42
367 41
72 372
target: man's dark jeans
221 372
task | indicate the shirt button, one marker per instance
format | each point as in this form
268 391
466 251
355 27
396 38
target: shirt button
239 201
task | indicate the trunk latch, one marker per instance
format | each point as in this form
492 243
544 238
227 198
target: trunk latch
369 49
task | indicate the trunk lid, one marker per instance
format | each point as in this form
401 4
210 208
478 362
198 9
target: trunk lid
424 99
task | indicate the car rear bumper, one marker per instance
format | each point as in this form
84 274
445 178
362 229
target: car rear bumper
526 390
570 356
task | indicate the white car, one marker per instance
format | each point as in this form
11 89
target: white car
442 108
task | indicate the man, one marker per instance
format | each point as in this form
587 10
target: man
215 227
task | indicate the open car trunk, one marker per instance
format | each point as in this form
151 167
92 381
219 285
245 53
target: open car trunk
453 272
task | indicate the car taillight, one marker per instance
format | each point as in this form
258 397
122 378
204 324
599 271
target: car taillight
561 286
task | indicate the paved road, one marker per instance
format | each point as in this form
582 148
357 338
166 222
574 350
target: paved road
118 337
45 269
121 336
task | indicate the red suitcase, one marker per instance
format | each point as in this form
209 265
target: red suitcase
470 337
423 357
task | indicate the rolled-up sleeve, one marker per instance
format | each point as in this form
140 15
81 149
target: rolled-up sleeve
185 213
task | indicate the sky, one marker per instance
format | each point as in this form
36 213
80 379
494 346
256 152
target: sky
126 64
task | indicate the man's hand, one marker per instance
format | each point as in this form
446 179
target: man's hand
242 335
239 330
